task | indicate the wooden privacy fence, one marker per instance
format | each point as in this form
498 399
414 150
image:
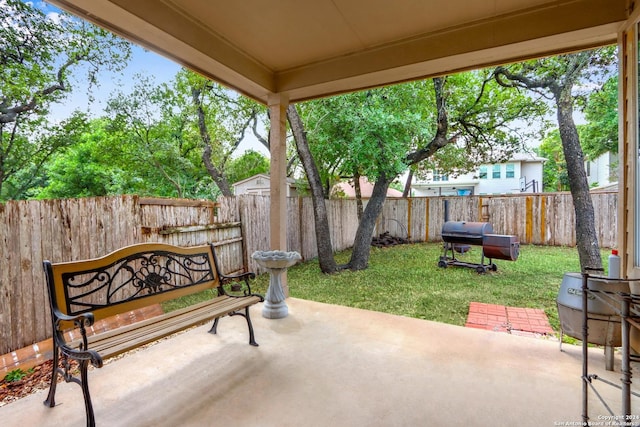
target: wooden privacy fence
544 219
72 229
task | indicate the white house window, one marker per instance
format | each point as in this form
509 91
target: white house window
496 172
510 171
483 172
439 176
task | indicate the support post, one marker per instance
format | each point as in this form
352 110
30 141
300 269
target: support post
278 104
626 367
585 348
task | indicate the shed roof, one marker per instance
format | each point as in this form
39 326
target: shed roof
267 178
366 189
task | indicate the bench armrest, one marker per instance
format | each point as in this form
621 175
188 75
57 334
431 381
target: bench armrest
80 320
237 285
79 351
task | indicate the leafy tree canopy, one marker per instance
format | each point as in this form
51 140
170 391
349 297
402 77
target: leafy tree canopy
600 134
38 55
554 172
248 164
382 131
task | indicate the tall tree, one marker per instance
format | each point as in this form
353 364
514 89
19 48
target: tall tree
558 77
379 133
321 217
222 118
37 56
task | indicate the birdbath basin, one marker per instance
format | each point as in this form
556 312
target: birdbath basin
276 262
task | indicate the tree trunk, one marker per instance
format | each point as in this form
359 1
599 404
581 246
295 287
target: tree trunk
214 173
358 192
323 232
586 237
362 243
217 176
407 186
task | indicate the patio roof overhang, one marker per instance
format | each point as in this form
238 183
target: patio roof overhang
310 49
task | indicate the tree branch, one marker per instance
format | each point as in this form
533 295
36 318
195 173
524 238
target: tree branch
9 114
521 80
440 139
260 138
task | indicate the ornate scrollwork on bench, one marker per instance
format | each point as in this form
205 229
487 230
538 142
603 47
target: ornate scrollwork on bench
135 276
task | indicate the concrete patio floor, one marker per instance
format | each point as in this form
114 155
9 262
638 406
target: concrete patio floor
327 365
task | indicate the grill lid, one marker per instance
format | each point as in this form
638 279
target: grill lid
469 233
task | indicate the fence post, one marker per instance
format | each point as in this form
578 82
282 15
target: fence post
484 210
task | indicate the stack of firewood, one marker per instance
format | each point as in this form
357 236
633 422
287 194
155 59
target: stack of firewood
385 240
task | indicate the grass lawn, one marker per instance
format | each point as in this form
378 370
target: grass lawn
406 280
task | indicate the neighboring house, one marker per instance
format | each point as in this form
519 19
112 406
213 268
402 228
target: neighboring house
260 184
602 171
520 174
346 189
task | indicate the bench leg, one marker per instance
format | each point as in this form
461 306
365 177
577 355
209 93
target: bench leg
252 339
214 328
88 407
68 377
51 397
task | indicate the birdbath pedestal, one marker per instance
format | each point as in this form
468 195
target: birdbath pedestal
276 262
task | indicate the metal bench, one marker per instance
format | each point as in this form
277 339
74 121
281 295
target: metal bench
82 292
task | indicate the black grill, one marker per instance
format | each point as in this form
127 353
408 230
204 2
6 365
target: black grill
459 235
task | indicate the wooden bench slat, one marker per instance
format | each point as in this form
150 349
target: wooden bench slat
128 337
220 304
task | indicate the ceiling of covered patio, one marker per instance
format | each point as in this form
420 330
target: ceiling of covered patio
309 49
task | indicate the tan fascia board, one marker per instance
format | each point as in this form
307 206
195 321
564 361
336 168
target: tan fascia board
346 82
552 30
197 49
561 28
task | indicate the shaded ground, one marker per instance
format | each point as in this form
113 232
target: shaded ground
36 379
341 367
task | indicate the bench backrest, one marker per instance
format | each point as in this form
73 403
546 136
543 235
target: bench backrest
130 278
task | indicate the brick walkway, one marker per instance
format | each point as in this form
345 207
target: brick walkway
513 320
33 355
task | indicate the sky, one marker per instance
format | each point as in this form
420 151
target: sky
142 61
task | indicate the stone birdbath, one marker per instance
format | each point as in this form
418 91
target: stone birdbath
276 262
